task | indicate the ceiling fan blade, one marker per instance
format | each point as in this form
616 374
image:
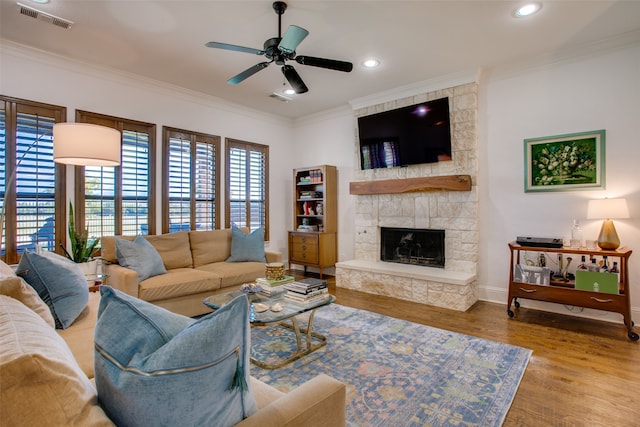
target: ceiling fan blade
247 73
235 48
292 38
331 64
294 79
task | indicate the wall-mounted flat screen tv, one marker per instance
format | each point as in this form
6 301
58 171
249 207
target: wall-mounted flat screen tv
416 134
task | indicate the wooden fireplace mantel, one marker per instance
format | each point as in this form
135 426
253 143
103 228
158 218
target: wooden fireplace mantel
410 185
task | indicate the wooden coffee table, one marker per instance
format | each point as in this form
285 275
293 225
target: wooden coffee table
287 318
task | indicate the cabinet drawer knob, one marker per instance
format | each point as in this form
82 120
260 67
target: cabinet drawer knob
601 300
527 290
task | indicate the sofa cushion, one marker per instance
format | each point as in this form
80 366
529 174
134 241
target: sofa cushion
17 288
234 273
173 248
210 246
178 282
79 337
154 367
41 382
108 250
247 247
140 256
59 283
6 270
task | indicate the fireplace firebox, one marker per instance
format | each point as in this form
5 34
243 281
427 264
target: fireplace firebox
416 246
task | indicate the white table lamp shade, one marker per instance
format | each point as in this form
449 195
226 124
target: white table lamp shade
86 144
607 209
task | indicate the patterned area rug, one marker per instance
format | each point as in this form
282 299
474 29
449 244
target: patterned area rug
400 373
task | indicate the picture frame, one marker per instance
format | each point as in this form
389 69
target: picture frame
568 162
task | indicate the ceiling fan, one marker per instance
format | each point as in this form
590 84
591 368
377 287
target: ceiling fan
281 49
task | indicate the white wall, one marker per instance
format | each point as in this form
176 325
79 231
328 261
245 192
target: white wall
41 77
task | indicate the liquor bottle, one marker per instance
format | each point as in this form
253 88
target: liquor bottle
583 264
614 269
604 268
593 266
559 273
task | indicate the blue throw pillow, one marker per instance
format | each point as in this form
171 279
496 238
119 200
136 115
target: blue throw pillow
59 282
247 247
157 368
140 256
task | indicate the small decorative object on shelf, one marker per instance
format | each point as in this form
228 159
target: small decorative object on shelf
577 240
274 271
250 288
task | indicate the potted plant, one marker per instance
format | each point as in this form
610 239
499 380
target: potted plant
83 249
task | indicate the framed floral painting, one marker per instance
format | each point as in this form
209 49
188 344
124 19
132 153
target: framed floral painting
565 162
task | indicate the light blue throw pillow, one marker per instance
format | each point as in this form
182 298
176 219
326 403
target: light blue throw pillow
247 247
140 256
59 282
157 368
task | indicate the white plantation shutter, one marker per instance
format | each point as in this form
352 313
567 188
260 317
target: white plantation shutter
191 180
247 189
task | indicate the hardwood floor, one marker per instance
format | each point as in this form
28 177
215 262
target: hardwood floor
582 372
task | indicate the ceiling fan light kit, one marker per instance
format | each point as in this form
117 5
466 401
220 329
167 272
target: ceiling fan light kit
281 49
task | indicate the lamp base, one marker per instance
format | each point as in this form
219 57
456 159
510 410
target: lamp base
608 238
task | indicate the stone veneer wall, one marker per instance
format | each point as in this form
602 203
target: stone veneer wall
454 211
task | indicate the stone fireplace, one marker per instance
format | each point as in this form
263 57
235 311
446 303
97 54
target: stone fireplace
423 207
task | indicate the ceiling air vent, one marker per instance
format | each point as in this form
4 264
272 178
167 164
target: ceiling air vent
279 97
44 16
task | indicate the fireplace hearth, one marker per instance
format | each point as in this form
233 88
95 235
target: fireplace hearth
415 246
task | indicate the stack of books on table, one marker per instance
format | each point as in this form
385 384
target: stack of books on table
306 291
273 287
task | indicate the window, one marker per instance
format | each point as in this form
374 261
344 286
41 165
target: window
190 178
247 189
31 184
119 200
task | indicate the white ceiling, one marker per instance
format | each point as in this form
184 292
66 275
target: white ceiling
415 40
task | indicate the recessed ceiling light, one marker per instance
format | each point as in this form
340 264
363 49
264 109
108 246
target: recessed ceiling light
527 10
371 63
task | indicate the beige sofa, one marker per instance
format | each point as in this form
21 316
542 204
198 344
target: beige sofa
196 269
42 383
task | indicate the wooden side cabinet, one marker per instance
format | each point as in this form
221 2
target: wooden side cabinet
312 249
313 240
564 291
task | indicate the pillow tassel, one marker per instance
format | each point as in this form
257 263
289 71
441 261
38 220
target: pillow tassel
238 380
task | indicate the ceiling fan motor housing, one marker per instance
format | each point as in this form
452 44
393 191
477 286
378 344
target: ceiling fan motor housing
271 51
